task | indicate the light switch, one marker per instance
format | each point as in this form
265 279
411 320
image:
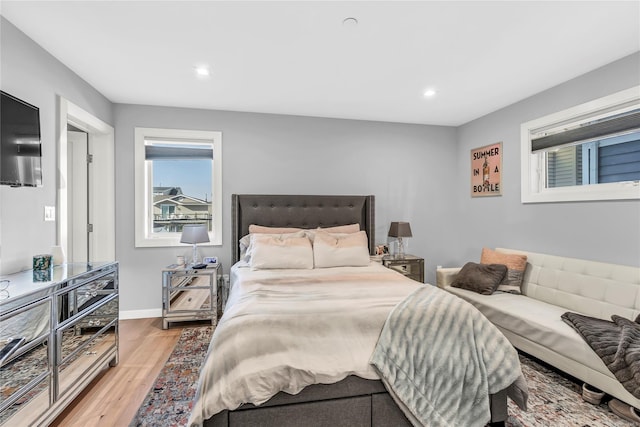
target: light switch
49 213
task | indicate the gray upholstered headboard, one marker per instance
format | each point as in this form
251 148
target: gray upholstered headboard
299 211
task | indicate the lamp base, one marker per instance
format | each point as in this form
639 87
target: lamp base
194 257
400 252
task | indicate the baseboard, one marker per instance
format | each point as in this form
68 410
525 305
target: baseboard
140 314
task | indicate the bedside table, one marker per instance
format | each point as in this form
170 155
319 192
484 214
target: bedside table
189 294
411 266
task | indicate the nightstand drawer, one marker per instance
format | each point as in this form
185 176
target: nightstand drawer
410 266
407 268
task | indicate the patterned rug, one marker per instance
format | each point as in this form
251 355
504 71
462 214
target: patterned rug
170 399
554 400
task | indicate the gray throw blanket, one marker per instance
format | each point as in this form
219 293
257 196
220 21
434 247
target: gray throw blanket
617 343
440 357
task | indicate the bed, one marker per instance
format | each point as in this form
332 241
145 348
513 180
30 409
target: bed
350 395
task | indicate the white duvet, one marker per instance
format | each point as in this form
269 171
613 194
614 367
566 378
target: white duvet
283 330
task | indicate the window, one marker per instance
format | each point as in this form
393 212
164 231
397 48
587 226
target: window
615 159
589 152
178 182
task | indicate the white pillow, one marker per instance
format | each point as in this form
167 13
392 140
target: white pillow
338 229
340 250
246 247
273 251
351 228
271 230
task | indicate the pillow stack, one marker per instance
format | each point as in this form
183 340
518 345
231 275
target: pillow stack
515 263
278 247
497 271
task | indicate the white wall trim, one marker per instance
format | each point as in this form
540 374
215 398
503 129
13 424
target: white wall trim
140 314
532 173
142 191
101 136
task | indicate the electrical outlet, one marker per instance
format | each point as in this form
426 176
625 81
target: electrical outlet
49 213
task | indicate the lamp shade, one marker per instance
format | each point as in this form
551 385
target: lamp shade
400 229
194 233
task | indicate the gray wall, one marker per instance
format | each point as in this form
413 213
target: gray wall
30 73
407 168
601 230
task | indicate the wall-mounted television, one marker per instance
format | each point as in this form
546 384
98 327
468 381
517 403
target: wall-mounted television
20 145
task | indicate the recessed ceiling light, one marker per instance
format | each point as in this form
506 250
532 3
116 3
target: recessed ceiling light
202 71
429 93
350 22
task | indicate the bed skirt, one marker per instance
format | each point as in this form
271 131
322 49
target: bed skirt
352 402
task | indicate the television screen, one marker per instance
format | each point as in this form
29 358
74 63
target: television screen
20 153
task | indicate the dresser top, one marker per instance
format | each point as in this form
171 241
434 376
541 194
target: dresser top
31 285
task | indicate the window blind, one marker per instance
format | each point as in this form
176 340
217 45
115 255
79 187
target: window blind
564 167
172 152
609 126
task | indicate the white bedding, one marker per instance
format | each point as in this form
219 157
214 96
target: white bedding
339 313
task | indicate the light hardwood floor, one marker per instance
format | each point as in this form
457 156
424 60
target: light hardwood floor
114 397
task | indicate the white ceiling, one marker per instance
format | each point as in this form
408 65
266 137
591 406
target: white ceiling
298 57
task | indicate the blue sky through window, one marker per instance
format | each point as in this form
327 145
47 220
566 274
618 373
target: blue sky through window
193 176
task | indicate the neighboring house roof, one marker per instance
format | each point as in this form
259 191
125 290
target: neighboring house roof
179 200
167 191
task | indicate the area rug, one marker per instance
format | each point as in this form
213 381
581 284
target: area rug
169 401
554 400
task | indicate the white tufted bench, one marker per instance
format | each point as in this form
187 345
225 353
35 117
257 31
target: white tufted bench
553 285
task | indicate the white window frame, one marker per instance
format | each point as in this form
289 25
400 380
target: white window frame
144 186
533 165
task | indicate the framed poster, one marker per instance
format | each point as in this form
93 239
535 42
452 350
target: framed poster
486 170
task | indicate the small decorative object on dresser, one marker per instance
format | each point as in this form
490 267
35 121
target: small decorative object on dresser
411 266
382 250
189 294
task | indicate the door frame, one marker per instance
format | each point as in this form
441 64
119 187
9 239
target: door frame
77 196
102 205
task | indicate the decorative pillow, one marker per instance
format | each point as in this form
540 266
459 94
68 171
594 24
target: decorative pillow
516 264
244 242
351 228
481 278
271 230
339 229
276 251
341 250
246 246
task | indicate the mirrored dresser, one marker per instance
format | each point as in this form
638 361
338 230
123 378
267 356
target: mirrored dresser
58 331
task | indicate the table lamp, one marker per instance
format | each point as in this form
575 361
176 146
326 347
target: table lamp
194 234
400 230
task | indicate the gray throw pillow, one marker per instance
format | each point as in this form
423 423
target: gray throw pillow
481 278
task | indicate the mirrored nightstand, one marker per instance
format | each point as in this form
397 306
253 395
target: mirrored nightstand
189 294
410 265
